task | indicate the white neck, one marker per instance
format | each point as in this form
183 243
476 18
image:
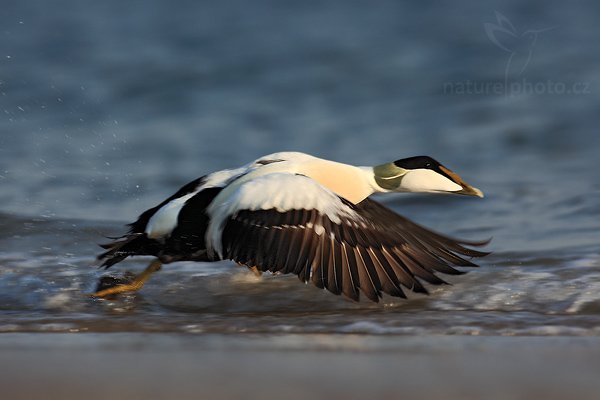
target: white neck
352 183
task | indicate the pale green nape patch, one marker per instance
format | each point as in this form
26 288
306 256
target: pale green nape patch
388 175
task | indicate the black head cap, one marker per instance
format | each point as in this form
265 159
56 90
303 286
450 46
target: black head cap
423 162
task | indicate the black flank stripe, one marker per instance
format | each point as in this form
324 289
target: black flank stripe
139 226
188 237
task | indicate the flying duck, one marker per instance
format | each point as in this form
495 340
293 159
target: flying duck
293 213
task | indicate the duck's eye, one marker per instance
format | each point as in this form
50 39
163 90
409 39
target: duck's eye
428 165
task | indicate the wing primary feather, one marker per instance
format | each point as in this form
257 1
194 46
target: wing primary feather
441 252
232 238
325 258
434 257
304 251
250 248
311 267
270 249
263 235
317 267
304 263
403 273
244 249
370 267
347 233
284 238
339 267
439 241
419 271
454 259
309 245
349 282
334 267
372 252
293 253
387 274
298 217
433 263
455 244
367 283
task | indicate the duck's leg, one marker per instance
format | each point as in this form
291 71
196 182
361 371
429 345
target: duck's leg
135 285
257 272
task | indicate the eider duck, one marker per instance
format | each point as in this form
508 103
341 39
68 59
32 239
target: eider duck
293 213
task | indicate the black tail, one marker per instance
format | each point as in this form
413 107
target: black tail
133 244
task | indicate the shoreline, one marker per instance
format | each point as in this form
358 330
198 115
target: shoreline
182 366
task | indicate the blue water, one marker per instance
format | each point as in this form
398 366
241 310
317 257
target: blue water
107 108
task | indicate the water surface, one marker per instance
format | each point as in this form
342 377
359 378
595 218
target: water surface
106 109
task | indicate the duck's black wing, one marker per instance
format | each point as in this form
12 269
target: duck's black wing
364 247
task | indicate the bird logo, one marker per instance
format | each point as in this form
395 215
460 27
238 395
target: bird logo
519 45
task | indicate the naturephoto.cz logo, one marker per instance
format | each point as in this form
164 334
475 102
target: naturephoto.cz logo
518 46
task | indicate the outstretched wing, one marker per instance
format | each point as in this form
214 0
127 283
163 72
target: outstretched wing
340 246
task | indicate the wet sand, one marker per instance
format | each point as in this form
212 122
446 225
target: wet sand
160 366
